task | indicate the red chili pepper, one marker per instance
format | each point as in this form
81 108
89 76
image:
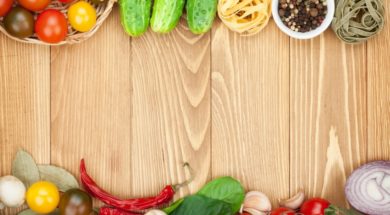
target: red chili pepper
114 211
133 205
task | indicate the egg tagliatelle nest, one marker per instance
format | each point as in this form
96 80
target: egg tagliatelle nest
247 17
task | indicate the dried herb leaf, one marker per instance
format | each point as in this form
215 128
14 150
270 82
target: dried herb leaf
25 168
30 212
63 179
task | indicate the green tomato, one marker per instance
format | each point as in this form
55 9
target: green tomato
19 22
75 202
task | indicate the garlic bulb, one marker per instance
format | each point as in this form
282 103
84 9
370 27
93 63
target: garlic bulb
294 202
155 212
12 191
256 203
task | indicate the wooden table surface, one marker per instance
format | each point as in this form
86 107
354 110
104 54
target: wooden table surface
277 113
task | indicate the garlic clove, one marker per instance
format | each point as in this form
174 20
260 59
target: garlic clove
12 191
294 202
155 212
254 211
257 203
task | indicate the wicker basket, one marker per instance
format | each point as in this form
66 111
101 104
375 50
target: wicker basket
102 12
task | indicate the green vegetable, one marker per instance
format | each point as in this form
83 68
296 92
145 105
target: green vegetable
226 189
334 210
173 206
166 14
198 204
135 16
200 15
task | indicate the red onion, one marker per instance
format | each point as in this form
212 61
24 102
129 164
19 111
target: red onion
368 188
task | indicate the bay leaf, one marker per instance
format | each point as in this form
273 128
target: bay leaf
63 179
24 168
30 212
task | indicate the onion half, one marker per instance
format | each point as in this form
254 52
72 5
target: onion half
368 188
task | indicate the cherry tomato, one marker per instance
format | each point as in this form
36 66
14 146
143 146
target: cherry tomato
282 211
51 26
75 202
315 206
65 1
34 5
5 6
82 16
19 22
43 197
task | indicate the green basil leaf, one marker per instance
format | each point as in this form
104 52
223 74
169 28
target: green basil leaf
198 204
25 169
173 206
334 210
63 179
226 189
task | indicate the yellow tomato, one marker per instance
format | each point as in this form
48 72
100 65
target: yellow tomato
43 197
82 16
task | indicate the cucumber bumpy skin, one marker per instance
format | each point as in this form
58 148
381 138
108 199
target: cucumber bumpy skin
200 15
135 16
166 14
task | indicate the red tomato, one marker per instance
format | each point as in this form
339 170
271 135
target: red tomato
34 5
282 211
5 6
315 206
51 26
65 1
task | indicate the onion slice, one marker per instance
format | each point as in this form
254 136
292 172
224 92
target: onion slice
368 188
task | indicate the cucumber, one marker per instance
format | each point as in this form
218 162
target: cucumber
200 15
135 16
166 14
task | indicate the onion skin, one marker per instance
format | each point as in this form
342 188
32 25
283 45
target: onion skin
367 188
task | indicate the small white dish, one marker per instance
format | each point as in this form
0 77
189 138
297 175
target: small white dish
307 35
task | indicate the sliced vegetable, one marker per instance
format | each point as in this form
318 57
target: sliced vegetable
198 204
135 16
82 16
201 15
51 26
166 14
226 189
368 188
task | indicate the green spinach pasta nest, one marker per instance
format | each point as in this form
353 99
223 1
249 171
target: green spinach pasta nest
356 21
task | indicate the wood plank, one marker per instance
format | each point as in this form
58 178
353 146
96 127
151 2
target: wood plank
250 117
91 107
327 113
171 109
24 102
379 93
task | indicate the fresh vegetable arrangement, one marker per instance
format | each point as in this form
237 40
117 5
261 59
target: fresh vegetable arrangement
48 189
48 21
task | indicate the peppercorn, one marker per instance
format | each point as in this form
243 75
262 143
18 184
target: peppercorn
302 15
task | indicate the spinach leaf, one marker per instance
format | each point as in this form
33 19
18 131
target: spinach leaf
226 189
198 204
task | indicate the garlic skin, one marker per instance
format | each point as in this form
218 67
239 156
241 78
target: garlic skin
256 203
155 212
12 192
294 202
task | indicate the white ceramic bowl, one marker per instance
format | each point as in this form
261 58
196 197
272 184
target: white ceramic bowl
307 35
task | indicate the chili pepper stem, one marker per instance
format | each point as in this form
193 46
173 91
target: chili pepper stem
176 187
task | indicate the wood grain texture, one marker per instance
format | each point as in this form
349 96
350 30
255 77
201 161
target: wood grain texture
171 109
327 114
24 103
378 65
91 107
250 125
